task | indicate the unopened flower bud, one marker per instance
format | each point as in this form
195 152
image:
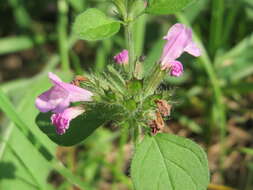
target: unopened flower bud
122 57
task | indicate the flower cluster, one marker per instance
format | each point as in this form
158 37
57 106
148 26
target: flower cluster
58 98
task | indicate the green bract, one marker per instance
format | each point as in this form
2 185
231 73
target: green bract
81 127
169 162
167 6
95 25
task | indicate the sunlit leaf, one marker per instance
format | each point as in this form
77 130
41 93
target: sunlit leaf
169 162
95 25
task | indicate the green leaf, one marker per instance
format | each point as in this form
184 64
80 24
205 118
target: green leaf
167 6
169 162
95 25
81 127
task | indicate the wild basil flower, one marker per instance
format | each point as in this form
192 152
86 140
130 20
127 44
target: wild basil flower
59 97
122 57
179 40
62 120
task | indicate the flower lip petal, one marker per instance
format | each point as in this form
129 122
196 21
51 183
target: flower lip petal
62 120
176 69
193 49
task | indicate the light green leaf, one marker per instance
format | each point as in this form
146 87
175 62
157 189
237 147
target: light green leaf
169 162
95 25
80 128
167 6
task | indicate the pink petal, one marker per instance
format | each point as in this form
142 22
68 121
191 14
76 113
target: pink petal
62 106
59 97
176 69
62 120
53 77
76 94
193 49
122 57
52 98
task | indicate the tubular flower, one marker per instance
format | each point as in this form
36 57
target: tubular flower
62 120
122 57
59 97
179 40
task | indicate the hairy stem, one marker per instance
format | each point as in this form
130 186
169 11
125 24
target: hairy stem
154 80
130 46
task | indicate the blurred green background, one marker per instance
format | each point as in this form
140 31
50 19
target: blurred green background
213 99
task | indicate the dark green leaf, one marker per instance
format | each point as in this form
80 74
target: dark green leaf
81 127
169 162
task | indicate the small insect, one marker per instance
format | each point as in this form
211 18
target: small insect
78 79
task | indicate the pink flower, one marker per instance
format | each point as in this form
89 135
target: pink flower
59 97
179 40
176 69
62 120
122 57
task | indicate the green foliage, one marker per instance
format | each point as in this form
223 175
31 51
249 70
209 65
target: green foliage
223 72
81 127
164 162
167 6
95 25
14 44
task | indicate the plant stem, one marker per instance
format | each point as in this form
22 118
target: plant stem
62 34
139 34
130 46
122 142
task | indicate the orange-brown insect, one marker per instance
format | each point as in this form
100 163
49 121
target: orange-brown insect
78 79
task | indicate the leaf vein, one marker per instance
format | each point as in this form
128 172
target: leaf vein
195 183
168 173
184 147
